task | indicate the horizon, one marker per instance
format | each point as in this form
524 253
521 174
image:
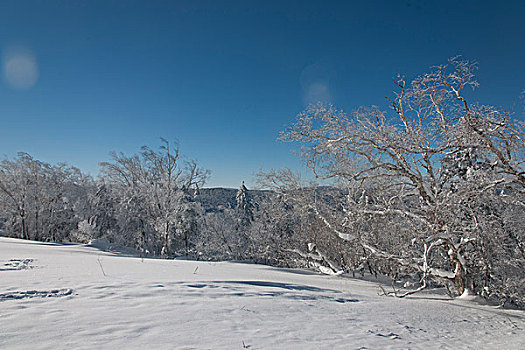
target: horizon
83 79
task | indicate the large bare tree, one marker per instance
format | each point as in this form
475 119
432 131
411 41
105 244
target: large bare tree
419 175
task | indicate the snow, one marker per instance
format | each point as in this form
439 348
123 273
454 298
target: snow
72 296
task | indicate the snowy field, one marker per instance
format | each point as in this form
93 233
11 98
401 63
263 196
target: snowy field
68 296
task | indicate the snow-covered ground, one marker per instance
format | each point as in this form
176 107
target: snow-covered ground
68 296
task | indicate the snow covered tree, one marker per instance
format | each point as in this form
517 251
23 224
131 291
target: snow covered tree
42 201
188 220
416 177
295 236
244 215
153 187
244 205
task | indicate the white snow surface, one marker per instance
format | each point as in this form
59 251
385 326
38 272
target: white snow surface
73 296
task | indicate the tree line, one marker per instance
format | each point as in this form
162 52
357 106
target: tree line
430 192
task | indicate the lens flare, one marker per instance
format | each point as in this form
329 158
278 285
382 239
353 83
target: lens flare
315 83
20 69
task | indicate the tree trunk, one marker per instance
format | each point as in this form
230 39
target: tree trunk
459 269
166 242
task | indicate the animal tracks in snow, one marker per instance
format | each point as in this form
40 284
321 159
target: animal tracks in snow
27 264
53 293
389 335
17 264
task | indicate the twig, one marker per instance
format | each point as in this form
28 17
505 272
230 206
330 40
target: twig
383 289
98 259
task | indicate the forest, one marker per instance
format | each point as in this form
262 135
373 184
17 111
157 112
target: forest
430 192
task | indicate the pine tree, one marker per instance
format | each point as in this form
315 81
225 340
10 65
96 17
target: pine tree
244 206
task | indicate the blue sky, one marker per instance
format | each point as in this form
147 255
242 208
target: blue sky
225 77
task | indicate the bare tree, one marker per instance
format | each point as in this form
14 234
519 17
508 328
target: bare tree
296 235
41 201
154 188
417 172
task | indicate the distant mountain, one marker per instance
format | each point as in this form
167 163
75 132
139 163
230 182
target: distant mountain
218 199
213 199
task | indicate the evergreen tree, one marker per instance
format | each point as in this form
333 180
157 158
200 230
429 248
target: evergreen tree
244 206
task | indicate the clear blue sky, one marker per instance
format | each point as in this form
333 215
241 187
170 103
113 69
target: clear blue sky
225 77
